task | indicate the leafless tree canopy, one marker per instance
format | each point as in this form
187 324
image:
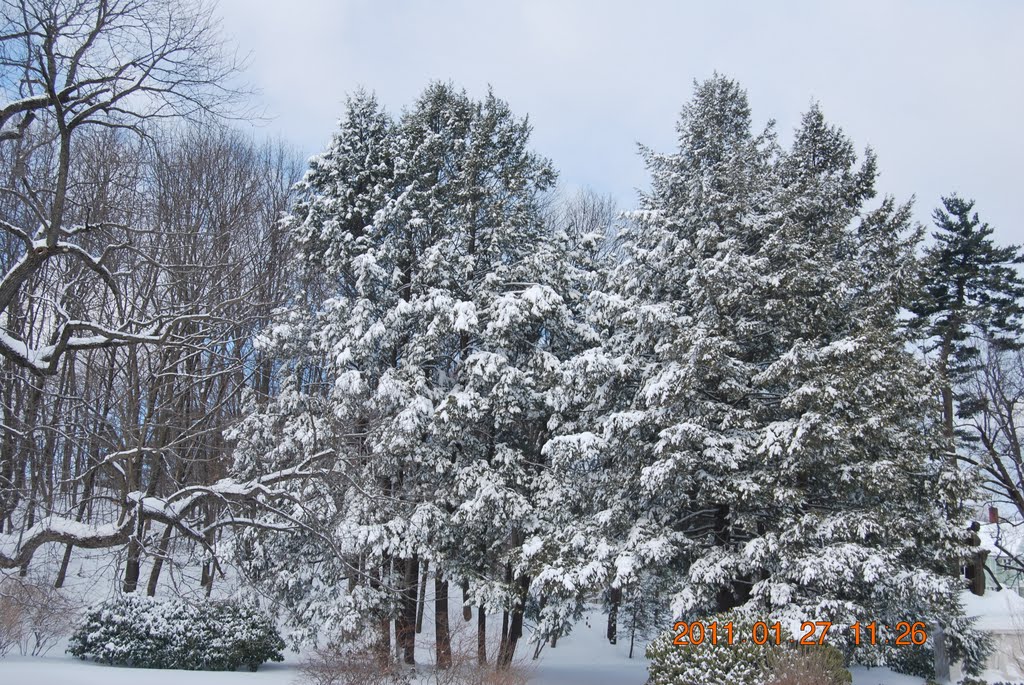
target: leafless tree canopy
140 255
67 69
119 437
996 422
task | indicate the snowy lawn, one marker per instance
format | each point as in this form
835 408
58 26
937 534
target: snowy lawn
576 665
67 670
583 658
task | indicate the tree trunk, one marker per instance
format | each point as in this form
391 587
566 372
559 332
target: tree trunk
615 598
941 653
504 637
441 633
384 636
467 611
515 633
158 562
510 639
423 596
947 410
503 640
209 567
92 458
946 390
481 636
29 522
384 644
405 624
62 574
131 568
8 468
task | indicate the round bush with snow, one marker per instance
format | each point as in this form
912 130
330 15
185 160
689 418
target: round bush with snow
711 662
175 633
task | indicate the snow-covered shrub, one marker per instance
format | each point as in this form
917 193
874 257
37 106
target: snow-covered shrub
813 665
741 663
175 633
33 615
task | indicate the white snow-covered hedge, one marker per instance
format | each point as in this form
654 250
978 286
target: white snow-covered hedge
148 632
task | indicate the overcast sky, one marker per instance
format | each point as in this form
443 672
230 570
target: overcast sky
934 87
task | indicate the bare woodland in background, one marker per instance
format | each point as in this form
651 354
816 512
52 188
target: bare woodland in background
142 252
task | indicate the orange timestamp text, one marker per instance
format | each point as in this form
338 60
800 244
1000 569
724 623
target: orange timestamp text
903 633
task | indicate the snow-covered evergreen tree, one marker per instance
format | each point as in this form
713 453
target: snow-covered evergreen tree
430 373
329 571
766 433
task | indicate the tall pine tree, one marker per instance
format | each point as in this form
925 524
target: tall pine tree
971 290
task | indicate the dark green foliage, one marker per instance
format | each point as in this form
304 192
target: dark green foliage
970 289
775 444
912 660
174 633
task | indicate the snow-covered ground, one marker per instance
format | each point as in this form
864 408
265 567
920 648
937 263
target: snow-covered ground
66 670
582 658
1001 614
581 665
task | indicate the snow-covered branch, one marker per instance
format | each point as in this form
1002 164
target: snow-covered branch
174 510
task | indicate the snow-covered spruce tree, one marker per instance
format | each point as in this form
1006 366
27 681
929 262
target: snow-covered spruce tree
508 289
430 372
769 438
585 225
856 514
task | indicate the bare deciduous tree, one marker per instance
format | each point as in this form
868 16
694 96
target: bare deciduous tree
995 414
70 65
122 226
120 440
